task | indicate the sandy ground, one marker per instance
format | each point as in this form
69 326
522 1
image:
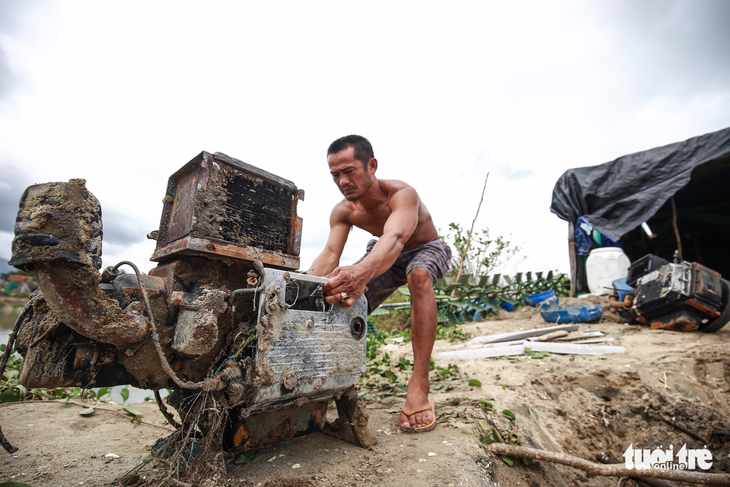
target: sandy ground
669 388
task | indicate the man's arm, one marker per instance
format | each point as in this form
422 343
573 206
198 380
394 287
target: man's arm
329 258
397 231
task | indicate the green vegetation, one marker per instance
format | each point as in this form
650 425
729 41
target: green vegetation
468 300
483 253
385 379
131 476
488 432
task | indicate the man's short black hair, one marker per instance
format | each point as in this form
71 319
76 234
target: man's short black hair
363 149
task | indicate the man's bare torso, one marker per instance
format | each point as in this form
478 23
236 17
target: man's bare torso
373 217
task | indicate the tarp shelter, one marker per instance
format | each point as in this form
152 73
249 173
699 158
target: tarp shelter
680 191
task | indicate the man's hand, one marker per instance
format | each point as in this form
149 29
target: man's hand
346 284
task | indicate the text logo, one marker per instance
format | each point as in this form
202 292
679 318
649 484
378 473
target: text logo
684 459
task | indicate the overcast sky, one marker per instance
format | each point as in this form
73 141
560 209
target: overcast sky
123 94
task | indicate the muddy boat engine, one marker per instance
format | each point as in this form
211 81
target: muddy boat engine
683 296
223 317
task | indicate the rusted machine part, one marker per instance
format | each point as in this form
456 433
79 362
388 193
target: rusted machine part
305 347
724 318
58 238
680 320
196 331
625 304
307 352
213 299
352 421
56 356
683 296
220 207
273 353
57 222
75 298
266 428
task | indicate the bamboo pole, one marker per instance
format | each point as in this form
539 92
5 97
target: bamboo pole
676 230
468 240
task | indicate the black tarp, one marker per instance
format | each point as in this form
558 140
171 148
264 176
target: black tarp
618 196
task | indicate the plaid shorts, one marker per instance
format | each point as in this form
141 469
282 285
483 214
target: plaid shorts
435 257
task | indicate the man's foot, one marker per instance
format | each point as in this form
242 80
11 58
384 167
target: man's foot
420 419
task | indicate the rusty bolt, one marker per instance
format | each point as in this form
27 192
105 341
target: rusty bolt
290 379
135 307
168 199
177 298
210 247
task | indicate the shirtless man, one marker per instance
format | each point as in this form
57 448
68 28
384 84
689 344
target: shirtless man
408 250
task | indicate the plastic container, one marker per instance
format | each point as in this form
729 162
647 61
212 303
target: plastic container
621 288
538 298
603 266
552 312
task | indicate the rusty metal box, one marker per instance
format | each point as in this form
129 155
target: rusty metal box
222 207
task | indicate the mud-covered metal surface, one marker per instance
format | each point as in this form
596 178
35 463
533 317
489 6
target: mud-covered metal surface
58 235
269 427
196 331
221 206
251 350
57 222
306 348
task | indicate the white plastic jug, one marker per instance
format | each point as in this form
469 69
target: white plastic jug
603 266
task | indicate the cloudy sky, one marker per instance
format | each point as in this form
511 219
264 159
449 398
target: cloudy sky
122 94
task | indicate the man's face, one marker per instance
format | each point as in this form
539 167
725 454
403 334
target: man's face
351 176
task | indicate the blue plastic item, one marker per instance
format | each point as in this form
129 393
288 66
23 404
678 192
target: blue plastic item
621 288
507 306
538 298
552 312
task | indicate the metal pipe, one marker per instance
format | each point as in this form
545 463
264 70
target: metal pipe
74 296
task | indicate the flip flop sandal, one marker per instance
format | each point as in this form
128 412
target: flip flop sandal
424 427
